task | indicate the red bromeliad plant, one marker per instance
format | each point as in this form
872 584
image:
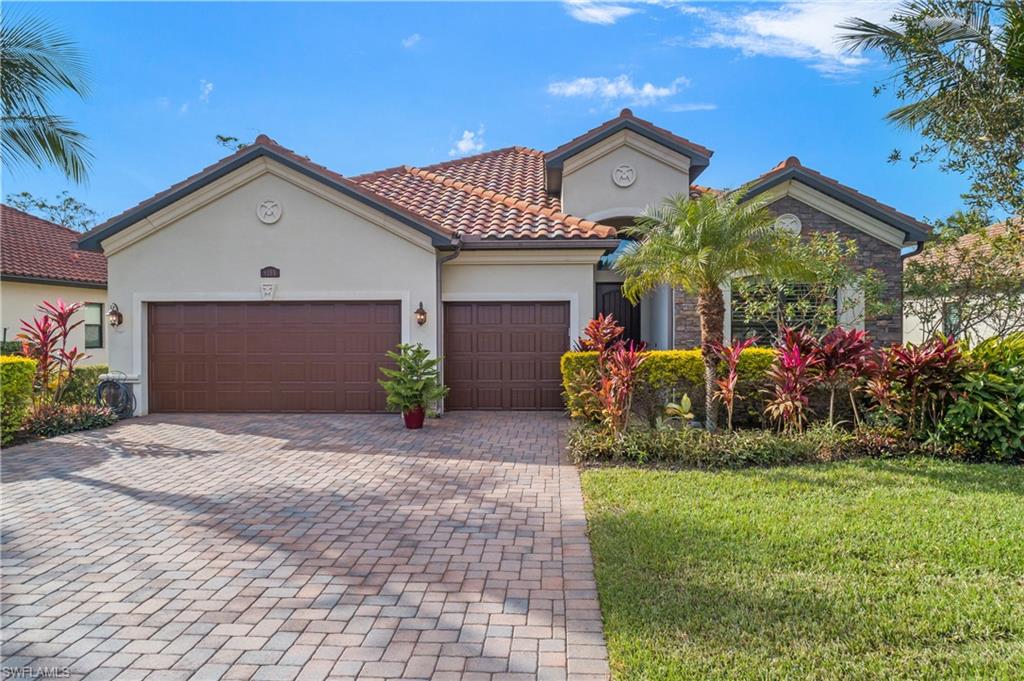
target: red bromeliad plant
730 354
45 339
792 375
844 355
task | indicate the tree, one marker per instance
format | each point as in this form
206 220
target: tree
65 210
959 71
699 245
38 62
971 287
230 142
773 304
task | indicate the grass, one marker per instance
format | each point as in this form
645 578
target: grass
908 569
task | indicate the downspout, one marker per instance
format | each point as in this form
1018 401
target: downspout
439 304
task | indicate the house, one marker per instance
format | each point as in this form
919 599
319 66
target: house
267 282
41 261
964 312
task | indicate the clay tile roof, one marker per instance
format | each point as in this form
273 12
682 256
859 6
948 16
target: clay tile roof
38 249
970 241
499 194
627 119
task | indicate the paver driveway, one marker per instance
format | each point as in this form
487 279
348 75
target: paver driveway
280 547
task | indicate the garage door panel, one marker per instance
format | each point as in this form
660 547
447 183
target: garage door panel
265 357
504 355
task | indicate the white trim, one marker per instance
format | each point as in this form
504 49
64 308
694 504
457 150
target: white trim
140 325
850 315
524 297
626 138
582 256
727 318
621 212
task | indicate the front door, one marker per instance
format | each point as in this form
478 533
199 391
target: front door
610 301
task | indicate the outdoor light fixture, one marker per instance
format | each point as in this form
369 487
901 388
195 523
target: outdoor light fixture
114 315
421 315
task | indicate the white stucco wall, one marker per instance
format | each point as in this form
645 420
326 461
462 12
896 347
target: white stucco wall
527 275
211 246
589 191
18 300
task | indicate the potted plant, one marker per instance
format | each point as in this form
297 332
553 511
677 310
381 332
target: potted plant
413 384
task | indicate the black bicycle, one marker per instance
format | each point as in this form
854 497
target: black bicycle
115 393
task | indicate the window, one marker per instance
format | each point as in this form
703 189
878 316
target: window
93 325
799 304
951 319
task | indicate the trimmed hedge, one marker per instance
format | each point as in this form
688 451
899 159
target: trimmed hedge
668 373
698 448
81 389
10 348
16 376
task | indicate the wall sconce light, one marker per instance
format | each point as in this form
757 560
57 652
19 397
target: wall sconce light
421 315
114 316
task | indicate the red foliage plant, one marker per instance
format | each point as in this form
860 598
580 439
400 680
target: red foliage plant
918 381
844 357
730 354
792 375
600 333
617 362
45 339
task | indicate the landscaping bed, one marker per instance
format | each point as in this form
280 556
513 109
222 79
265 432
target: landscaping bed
903 568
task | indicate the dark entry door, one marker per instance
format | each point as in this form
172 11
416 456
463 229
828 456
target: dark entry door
610 301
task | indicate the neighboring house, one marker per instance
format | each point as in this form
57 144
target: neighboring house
41 261
266 282
948 311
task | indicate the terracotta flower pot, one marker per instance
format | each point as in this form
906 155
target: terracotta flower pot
414 418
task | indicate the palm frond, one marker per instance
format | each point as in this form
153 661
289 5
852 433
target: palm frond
38 140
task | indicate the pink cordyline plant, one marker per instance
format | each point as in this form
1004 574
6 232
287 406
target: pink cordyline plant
730 354
618 379
918 381
45 340
844 355
792 375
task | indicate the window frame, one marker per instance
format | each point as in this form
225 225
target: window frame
86 325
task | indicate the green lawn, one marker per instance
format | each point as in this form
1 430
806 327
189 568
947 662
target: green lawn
865 570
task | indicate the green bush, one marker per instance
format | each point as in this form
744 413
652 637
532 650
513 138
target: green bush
668 374
987 419
697 448
51 420
81 388
16 376
10 347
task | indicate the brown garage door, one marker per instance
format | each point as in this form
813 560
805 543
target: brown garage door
504 355
269 357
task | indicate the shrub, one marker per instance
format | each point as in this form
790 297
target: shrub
51 420
987 419
16 374
81 387
11 348
668 374
697 448
792 376
727 384
414 383
46 340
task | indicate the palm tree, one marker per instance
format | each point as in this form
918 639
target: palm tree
699 245
37 62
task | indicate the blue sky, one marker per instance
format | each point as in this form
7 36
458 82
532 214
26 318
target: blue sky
359 87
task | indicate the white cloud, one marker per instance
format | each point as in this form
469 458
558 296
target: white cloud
620 89
410 41
797 30
603 13
691 106
205 90
183 109
470 143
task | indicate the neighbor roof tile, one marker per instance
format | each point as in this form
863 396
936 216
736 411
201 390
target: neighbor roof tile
33 247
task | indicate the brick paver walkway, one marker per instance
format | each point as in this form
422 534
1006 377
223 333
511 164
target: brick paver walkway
300 547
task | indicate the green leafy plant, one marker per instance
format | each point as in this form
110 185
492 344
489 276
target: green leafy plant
987 417
414 382
81 386
51 420
16 377
681 410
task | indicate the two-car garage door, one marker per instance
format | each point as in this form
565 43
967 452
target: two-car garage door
326 356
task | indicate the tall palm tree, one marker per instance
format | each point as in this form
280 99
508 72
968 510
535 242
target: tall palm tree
699 245
38 61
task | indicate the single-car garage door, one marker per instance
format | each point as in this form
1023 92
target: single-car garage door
270 357
504 355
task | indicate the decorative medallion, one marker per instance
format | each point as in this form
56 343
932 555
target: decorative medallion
267 291
624 175
788 222
268 211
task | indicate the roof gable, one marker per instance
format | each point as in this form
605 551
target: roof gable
792 169
33 249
